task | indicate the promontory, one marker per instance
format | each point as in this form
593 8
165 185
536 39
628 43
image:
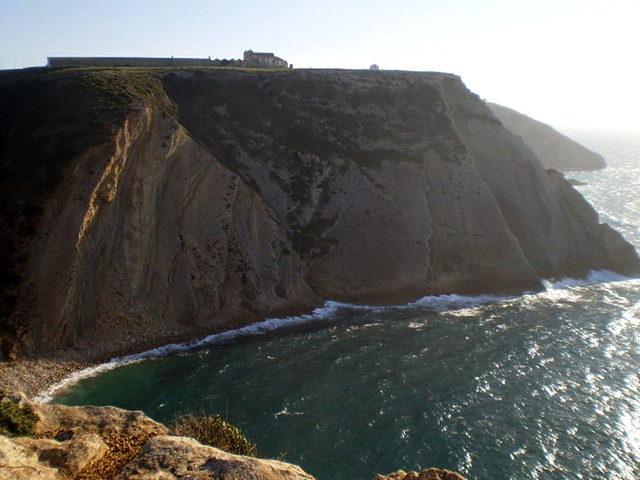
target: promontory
145 205
554 149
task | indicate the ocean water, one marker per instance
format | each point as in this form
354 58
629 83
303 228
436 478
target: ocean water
541 386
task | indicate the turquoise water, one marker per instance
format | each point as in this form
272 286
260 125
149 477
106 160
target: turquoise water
543 386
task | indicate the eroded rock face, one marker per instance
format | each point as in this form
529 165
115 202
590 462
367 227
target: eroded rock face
605 247
103 420
554 149
70 442
167 232
259 194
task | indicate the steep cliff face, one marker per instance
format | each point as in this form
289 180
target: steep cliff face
163 231
551 237
212 198
370 178
554 149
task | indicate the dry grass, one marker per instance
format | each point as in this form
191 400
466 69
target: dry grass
213 430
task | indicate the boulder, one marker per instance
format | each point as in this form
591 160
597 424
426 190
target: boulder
18 462
169 457
69 453
429 474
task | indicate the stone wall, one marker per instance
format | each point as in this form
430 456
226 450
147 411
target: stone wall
130 62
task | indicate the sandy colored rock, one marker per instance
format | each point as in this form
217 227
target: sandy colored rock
97 443
21 463
75 441
428 474
69 453
179 457
399 475
105 420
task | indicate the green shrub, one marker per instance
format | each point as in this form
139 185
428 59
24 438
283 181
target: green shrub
213 430
16 421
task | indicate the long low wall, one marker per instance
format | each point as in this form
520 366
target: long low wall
130 62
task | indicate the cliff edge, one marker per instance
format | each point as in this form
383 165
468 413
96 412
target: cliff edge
148 205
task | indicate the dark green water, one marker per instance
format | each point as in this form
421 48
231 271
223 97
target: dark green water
542 386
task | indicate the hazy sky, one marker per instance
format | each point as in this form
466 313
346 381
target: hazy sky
565 62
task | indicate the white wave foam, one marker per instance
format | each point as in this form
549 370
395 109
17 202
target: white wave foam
607 276
443 303
594 277
570 289
47 396
254 329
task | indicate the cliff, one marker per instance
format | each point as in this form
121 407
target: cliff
554 149
146 205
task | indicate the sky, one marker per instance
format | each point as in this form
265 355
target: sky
569 63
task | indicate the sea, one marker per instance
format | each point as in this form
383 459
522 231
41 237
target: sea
539 386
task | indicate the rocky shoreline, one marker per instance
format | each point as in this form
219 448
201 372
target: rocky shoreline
35 376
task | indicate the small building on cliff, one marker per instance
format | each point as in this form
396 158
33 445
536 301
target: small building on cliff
265 60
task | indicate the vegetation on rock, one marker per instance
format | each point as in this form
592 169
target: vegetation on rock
15 421
214 431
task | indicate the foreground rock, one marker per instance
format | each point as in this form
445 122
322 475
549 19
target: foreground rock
105 442
144 206
179 457
429 474
554 149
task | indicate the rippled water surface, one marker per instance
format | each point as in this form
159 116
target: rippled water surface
543 386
